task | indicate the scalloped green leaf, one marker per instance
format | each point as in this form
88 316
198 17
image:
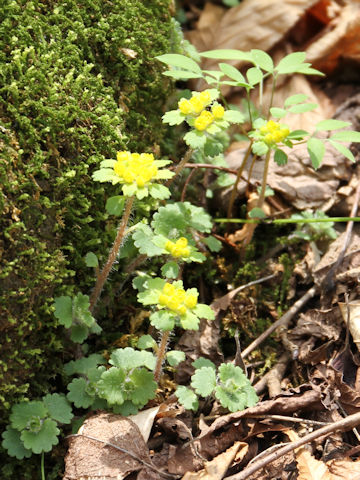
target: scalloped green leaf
22 413
259 148
174 357
204 311
42 441
128 358
78 393
111 385
257 213
187 398
145 342
162 320
213 244
83 365
234 116
173 117
143 386
195 139
170 270
143 240
63 310
79 333
203 362
58 407
204 381
14 445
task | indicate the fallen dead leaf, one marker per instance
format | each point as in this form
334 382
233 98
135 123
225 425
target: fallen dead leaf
353 319
145 420
216 469
308 467
95 458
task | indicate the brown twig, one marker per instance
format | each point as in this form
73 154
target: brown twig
284 320
340 426
138 459
278 371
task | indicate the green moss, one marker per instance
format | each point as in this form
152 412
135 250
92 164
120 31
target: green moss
77 83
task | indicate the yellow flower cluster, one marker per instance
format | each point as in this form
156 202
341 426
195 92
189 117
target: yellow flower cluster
197 106
135 167
273 132
179 248
177 299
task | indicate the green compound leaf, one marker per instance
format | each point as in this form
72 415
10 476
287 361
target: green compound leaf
235 391
303 107
346 136
280 157
78 393
316 149
174 357
262 59
43 440
111 386
203 362
290 63
143 239
204 311
83 365
143 386
234 116
23 413
162 320
176 60
91 260
158 191
145 342
115 205
254 76
204 381
58 407
13 444
187 398
173 117
170 270
213 244
128 358
342 149
232 73
331 124
259 148
63 310
278 112
227 54
295 99
195 139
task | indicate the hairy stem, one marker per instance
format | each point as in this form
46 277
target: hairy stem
103 275
238 176
161 354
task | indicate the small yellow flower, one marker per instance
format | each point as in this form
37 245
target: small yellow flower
184 106
197 105
135 167
176 299
190 301
205 97
273 132
218 111
204 120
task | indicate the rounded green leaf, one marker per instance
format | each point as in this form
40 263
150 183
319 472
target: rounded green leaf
58 407
115 205
42 441
14 445
174 357
111 386
162 320
204 381
23 412
146 341
91 260
141 386
63 310
78 393
187 398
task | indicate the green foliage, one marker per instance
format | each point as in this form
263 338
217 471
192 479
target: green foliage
74 314
33 425
228 384
315 230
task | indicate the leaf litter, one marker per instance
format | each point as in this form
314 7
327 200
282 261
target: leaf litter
322 380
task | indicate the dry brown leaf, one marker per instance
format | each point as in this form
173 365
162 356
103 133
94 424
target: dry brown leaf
216 469
308 467
145 420
341 40
354 319
93 458
344 469
252 24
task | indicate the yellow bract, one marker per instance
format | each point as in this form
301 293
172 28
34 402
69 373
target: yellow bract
177 299
204 120
135 167
218 111
273 132
197 103
178 248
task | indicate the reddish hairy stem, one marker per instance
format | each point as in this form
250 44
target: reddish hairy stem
103 275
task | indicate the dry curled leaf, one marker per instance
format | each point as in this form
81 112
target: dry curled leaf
354 319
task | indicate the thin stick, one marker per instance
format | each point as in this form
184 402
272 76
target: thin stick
284 320
161 354
183 193
140 460
339 426
102 277
238 176
284 418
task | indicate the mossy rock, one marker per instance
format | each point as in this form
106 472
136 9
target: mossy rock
78 81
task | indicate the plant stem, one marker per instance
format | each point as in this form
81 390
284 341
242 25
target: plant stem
161 354
103 275
280 221
180 165
42 466
238 176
